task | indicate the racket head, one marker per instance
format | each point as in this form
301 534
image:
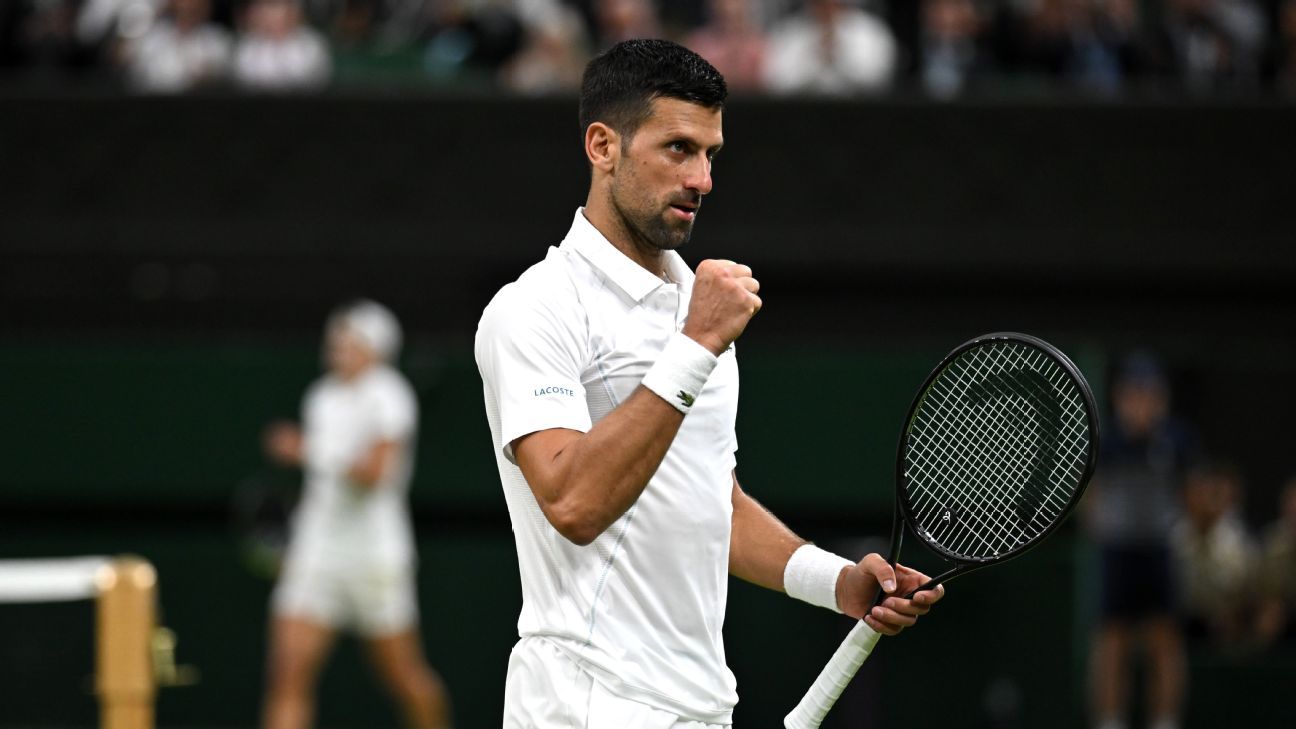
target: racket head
996 450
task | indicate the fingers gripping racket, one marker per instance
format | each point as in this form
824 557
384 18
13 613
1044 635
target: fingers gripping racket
996 450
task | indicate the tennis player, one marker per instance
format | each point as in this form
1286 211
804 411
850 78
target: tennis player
350 559
611 387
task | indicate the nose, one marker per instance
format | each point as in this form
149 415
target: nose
699 175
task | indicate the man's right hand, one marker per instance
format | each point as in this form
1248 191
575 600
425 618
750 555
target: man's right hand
282 442
724 300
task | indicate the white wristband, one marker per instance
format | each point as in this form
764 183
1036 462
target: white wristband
680 372
811 575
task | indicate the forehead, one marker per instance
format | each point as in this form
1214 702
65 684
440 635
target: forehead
674 117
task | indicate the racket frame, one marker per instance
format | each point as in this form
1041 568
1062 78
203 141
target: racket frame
903 517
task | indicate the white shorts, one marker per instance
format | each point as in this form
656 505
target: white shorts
545 689
371 602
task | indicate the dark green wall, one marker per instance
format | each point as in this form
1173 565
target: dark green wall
166 264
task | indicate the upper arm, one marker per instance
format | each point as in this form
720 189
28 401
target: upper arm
531 352
395 410
536 455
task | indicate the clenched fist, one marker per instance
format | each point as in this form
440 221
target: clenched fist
724 300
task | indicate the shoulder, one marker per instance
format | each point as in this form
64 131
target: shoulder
389 381
545 293
320 392
310 40
321 387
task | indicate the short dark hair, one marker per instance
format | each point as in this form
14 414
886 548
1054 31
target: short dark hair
620 84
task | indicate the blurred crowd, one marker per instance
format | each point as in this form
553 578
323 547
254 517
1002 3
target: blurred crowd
1157 488
937 48
1180 569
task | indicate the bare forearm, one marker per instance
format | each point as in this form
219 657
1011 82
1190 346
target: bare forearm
368 472
760 544
591 479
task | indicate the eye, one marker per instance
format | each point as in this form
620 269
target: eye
678 147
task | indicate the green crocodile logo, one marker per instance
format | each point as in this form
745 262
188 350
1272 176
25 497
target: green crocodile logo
685 398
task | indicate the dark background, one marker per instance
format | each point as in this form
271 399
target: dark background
166 266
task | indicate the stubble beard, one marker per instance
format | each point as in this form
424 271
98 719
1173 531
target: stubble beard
651 232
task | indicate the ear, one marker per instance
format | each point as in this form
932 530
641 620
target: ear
602 146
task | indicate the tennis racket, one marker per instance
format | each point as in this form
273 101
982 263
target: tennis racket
996 450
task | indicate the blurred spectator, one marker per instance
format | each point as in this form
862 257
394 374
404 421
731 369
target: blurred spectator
100 21
553 56
354 23
41 37
950 53
1208 45
1214 556
351 557
179 52
369 45
1090 45
1285 50
470 41
619 20
832 47
733 42
1130 508
277 52
1277 617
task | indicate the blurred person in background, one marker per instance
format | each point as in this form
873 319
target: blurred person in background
351 555
621 20
277 51
1129 510
1277 614
470 40
1214 556
733 40
180 51
100 21
1208 45
832 47
1086 45
41 37
951 53
355 21
1284 50
552 57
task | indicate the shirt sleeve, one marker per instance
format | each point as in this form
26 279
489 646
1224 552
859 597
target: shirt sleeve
395 409
531 351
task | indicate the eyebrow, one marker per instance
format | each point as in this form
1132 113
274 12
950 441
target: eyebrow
680 136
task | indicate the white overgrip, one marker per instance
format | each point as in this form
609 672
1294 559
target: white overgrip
832 680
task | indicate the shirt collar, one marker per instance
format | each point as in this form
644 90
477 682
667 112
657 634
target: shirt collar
629 276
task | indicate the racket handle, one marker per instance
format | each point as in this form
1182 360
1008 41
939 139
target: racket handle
825 690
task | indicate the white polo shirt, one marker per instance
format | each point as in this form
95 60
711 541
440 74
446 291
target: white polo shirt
339 525
642 607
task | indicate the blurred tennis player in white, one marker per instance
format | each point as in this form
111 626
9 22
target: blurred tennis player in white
351 559
611 388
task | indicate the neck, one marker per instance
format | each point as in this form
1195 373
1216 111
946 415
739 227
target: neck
607 220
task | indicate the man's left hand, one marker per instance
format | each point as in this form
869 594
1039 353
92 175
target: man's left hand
857 586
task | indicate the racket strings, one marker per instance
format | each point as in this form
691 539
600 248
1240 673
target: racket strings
1020 470
1012 457
995 450
971 464
995 536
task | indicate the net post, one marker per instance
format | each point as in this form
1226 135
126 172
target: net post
126 614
